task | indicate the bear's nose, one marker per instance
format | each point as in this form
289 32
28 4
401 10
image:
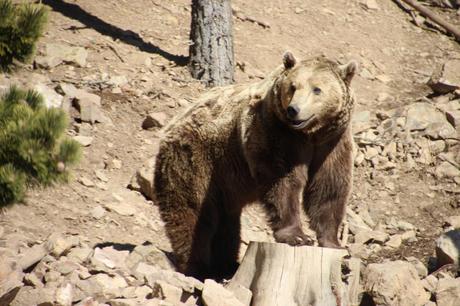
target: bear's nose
292 111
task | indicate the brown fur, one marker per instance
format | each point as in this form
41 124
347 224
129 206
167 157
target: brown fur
236 146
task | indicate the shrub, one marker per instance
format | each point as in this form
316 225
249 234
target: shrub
33 147
20 27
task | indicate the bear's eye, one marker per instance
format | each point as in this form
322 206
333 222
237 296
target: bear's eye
293 88
316 90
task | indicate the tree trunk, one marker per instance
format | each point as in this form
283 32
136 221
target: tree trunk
211 54
281 275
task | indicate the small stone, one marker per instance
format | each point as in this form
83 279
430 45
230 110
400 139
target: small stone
371 152
86 182
167 292
11 277
448 292
101 175
154 120
363 237
383 78
98 212
31 279
404 226
88 301
409 236
430 283
445 78
109 257
80 255
64 295
359 250
355 222
116 163
33 255
117 81
361 121
394 242
67 54
453 221
60 245
419 266
394 283
446 170
51 97
421 116
370 4
121 208
84 140
65 267
111 286
448 248
215 294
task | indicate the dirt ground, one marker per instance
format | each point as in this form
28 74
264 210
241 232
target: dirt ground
147 42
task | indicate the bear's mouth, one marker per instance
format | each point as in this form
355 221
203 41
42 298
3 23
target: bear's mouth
300 124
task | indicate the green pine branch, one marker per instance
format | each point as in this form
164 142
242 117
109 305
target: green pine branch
21 26
33 147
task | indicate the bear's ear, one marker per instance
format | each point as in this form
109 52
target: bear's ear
348 71
289 60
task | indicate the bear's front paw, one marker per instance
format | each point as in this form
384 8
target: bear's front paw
293 237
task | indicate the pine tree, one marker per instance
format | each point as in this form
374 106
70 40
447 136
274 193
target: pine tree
20 27
33 147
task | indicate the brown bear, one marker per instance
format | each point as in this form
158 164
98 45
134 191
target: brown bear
284 141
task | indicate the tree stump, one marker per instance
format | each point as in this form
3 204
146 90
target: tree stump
211 52
278 274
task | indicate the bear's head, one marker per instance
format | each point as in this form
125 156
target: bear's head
314 96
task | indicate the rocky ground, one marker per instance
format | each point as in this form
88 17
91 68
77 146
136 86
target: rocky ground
117 67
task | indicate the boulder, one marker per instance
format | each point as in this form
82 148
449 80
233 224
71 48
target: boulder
394 283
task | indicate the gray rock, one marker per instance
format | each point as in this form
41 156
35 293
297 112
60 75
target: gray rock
419 266
32 296
110 258
394 242
361 121
111 286
430 283
149 254
64 295
364 237
424 116
84 140
154 120
152 274
448 248
121 208
33 255
60 53
355 222
51 97
394 283
98 212
117 80
80 255
142 181
167 292
448 292
446 170
88 301
446 78
452 221
59 245
86 182
31 279
64 266
243 294
10 280
215 294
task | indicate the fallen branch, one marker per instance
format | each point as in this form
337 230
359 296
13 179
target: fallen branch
242 17
116 52
439 21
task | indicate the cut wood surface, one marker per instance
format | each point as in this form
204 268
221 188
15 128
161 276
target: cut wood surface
278 274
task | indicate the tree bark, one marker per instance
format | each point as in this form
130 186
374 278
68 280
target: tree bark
281 275
211 52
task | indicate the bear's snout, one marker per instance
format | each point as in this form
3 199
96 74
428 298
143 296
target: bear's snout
292 111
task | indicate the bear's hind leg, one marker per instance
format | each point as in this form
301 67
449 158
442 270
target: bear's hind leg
225 246
200 260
